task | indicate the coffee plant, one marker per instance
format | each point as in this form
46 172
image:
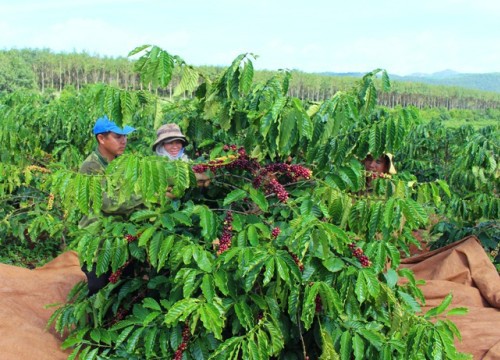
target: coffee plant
286 254
467 160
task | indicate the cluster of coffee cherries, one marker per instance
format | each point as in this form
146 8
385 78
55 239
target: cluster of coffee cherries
376 175
227 233
275 187
243 162
318 303
298 172
114 277
120 315
240 161
267 176
260 316
131 238
358 253
297 261
292 172
275 232
122 312
317 300
186 334
230 147
263 176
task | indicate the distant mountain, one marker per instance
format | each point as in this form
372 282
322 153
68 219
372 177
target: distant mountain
445 74
484 82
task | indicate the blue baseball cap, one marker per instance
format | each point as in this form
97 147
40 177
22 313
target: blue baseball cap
103 125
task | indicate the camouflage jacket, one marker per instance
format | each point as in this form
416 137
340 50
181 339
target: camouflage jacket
96 164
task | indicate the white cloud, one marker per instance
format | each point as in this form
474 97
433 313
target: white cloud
82 34
94 36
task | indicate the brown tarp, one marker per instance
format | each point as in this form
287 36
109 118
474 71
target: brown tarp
24 294
462 268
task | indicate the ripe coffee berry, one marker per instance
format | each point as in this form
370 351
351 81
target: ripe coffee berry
319 305
298 171
120 315
275 232
358 253
186 334
227 235
260 316
130 238
200 168
297 261
275 187
114 277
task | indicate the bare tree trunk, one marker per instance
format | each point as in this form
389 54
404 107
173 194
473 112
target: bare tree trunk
43 80
60 77
77 79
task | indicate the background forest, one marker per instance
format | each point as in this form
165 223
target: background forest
310 243
48 71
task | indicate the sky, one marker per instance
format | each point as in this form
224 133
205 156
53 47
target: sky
403 37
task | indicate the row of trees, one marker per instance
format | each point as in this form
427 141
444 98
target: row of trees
44 70
421 98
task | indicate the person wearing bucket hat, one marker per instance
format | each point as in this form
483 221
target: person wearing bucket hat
170 142
381 167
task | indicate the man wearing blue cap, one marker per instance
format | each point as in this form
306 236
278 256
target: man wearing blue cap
111 142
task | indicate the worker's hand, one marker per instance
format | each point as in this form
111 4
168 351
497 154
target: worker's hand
169 194
202 179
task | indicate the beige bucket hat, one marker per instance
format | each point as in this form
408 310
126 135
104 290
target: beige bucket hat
168 133
392 168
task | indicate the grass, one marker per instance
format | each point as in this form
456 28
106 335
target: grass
456 118
23 255
476 124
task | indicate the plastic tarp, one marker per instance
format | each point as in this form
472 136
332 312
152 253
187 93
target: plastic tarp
24 294
464 270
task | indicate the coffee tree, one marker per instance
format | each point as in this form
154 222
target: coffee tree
286 253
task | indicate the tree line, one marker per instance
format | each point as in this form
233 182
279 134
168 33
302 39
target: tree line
44 70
